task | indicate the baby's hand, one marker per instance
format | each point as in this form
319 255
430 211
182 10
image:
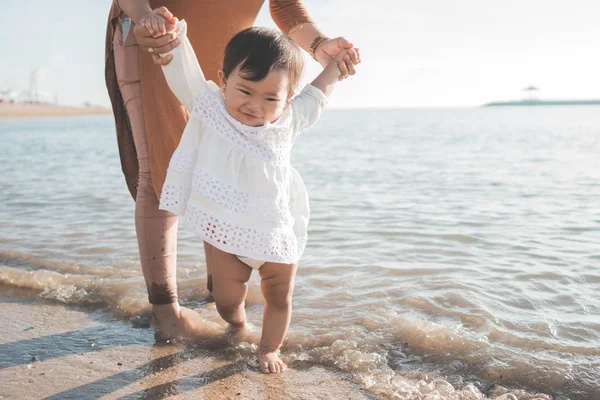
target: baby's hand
156 24
344 58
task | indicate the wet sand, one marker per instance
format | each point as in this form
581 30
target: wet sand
57 352
11 111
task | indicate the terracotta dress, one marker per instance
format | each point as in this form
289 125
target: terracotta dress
212 24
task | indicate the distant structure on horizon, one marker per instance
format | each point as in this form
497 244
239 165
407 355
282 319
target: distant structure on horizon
533 100
33 88
31 95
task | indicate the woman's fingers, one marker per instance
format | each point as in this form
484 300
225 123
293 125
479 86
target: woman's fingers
164 12
161 60
172 24
344 43
166 47
158 43
140 30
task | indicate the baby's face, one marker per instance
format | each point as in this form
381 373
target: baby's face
255 103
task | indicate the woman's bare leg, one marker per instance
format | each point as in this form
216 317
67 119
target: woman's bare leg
277 285
156 229
208 249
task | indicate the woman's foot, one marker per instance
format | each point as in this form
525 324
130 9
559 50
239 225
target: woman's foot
180 324
270 363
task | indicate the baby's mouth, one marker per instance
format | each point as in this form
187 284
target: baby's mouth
249 114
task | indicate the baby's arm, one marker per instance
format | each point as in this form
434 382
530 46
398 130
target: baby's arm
183 74
327 79
307 106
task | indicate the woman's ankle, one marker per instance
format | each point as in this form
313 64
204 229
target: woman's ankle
166 311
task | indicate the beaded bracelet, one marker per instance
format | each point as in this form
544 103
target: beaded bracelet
314 44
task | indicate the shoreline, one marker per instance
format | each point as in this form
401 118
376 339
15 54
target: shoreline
57 351
54 351
25 111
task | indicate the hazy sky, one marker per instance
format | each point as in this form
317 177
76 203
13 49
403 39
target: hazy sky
415 53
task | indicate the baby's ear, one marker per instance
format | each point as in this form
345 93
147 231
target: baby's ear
222 79
290 95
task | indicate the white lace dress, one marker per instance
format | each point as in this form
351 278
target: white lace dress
233 183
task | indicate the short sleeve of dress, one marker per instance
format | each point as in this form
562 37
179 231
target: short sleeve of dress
183 74
306 108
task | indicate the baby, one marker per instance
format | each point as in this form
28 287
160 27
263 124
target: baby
231 178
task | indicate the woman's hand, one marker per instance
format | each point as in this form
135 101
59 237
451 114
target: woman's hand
329 49
149 27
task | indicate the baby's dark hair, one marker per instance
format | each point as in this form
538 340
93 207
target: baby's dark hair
257 51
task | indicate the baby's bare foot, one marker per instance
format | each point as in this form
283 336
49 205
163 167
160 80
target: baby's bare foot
245 332
270 363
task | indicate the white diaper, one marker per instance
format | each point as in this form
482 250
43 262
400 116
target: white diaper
252 263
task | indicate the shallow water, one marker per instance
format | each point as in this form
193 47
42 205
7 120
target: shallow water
454 244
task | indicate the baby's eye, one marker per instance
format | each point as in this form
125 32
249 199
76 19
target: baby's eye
244 91
272 99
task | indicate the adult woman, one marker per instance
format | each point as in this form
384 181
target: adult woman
150 120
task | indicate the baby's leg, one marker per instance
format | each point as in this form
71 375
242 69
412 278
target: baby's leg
277 285
230 277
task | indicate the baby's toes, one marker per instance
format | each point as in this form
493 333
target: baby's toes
279 366
264 367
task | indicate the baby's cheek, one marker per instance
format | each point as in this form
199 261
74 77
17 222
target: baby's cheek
276 110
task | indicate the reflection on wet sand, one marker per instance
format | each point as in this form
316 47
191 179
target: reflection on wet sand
56 352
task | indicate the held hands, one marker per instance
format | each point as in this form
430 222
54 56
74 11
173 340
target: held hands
345 62
334 70
341 50
155 33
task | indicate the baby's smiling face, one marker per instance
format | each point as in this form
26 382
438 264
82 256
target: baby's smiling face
255 103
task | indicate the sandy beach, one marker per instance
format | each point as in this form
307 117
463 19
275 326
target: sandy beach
57 352
10 111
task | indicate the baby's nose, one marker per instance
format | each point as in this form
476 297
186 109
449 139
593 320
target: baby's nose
253 106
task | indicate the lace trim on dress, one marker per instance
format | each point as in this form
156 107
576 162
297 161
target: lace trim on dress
175 193
269 142
174 198
240 202
276 247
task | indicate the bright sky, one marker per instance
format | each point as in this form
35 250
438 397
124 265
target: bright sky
425 53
